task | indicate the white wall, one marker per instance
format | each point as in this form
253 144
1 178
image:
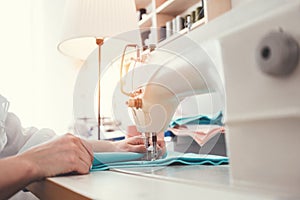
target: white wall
235 3
36 79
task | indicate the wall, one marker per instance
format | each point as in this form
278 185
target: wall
235 3
36 79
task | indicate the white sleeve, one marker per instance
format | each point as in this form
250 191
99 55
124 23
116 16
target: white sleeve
3 138
18 137
39 137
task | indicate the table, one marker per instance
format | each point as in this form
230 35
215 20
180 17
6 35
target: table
172 182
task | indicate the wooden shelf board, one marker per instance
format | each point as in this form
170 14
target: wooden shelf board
176 7
182 32
146 22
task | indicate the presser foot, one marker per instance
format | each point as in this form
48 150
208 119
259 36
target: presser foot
151 146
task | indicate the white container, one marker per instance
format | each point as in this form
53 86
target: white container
169 29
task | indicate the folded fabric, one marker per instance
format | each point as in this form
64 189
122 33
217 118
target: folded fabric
104 161
200 133
199 119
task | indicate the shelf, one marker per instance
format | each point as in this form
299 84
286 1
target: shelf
146 21
176 7
166 10
182 32
195 25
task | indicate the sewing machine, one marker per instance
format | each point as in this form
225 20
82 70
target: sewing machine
251 57
176 73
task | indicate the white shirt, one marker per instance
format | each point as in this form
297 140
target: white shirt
19 139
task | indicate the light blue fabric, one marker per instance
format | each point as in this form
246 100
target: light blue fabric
104 161
199 119
112 157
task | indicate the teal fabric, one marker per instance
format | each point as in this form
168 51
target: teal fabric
199 119
112 157
105 161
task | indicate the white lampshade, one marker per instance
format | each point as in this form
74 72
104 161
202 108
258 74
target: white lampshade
86 20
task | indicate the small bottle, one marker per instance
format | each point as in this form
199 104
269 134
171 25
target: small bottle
199 13
142 11
188 22
169 29
179 23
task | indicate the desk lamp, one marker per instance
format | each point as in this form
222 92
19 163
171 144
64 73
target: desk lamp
88 23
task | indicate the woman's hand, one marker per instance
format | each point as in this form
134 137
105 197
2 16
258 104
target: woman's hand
132 144
161 145
60 156
65 154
